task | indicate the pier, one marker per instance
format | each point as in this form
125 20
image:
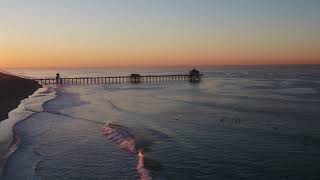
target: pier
193 76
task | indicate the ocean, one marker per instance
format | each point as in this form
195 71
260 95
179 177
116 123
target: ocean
239 122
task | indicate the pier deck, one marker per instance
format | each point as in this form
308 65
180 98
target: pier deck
120 79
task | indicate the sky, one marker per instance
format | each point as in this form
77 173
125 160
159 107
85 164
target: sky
129 33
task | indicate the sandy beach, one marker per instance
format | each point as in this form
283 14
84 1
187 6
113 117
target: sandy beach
12 90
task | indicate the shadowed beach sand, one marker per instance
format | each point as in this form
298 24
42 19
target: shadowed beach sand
12 90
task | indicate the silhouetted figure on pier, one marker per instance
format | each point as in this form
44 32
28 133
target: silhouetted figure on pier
57 78
194 75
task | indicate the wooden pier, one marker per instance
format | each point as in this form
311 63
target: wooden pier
133 78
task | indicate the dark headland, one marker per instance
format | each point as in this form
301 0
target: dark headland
13 89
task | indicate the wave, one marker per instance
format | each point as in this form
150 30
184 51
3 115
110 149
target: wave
72 117
127 141
126 88
121 136
27 108
141 169
115 107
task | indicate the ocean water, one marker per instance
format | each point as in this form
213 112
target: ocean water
238 123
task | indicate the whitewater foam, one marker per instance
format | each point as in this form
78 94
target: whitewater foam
141 169
27 108
122 136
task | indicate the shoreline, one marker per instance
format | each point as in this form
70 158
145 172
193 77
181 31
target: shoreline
9 139
13 90
11 149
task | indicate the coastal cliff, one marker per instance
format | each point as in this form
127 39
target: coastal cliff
12 90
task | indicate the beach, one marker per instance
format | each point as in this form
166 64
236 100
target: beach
12 90
14 101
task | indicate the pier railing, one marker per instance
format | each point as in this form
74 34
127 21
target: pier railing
133 78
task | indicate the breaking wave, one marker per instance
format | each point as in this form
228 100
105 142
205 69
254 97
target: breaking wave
122 136
141 169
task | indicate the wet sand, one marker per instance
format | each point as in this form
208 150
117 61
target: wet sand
12 90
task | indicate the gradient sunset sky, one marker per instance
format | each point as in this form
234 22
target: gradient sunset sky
108 33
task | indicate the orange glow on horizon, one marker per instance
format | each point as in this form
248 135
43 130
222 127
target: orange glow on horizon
24 58
128 52
43 34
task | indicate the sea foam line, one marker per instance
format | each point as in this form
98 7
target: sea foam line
126 140
27 108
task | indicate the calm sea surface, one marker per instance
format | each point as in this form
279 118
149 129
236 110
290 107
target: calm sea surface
238 123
